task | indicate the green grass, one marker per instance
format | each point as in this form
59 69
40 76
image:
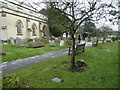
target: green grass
15 52
102 70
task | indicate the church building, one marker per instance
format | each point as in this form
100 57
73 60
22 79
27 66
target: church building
17 19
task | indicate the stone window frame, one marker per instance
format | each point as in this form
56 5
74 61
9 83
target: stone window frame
44 30
19 26
34 28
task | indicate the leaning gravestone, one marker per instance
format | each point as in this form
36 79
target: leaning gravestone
19 42
12 41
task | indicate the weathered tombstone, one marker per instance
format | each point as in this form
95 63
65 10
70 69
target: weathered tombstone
44 39
89 39
0 47
86 39
36 39
62 43
35 44
12 41
51 42
19 42
69 41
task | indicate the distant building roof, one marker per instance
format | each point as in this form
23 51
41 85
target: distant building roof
21 7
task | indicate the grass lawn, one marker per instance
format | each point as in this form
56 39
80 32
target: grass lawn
15 52
102 70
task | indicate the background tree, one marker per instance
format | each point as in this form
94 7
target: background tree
105 31
89 26
56 21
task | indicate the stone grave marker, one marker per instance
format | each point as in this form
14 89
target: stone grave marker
2 52
62 43
56 79
12 41
36 39
19 42
51 42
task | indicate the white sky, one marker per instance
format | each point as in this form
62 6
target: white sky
100 23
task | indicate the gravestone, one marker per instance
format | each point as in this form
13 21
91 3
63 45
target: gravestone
19 42
86 39
56 79
36 39
62 43
44 39
35 44
89 39
51 42
64 35
12 41
69 42
57 39
1 49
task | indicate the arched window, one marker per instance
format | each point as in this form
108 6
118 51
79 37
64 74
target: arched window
19 26
44 30
34 27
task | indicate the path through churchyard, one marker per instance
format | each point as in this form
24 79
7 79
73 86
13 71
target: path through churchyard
8 67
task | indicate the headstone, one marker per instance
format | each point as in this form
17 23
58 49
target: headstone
19 41
44 39
35 44
68 36
62 43
36 39
64 34
1 49
69 42
12 41
89 39
51 42
86 39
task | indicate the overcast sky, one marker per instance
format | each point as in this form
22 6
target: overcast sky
99 24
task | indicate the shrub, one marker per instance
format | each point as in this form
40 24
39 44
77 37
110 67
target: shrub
13 81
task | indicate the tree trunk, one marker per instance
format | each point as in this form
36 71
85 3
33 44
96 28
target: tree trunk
103 40
73 53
